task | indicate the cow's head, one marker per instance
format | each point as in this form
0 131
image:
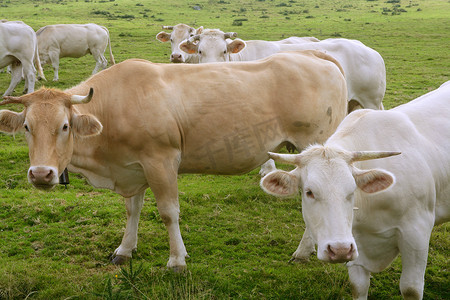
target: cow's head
50 123
328 181
213 45
179 33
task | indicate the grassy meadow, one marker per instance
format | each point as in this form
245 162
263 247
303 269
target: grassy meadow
57 245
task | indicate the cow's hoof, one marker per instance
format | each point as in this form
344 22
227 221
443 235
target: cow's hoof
178 269
301 260
120 259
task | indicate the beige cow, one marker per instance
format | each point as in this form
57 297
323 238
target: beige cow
73 40
160 120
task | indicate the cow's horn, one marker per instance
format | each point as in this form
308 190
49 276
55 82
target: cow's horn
291 159
194 38
11 99
76 99
168 27
229 35
368 155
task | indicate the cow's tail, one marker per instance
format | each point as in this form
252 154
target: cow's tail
37 62
111 56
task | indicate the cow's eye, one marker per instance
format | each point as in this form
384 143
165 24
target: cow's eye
26 127
224 51
199 51
310 194
65 127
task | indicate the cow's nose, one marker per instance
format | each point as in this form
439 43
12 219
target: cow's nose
42 177
341 252
176 57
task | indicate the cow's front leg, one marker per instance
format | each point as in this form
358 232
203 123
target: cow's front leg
413 246
129 240
305 248
359 280
162 178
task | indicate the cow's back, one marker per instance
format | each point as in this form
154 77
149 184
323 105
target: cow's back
364 68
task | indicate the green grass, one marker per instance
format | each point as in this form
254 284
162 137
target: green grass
57 245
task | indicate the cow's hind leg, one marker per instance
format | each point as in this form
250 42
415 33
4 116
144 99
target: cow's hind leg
359 280
30 77
16 77
100 61
129 240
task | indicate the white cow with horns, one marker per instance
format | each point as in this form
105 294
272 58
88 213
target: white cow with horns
18 49
365 210
73 40
160 120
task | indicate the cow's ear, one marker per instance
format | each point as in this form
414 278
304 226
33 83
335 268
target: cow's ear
163 36
189 48
236 46
199 30
10 121
373 181
280 183
86 125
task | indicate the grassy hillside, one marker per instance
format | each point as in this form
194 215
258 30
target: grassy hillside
57 245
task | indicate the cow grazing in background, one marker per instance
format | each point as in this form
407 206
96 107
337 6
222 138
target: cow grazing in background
160 120
368 211
73 40
18 49
180 32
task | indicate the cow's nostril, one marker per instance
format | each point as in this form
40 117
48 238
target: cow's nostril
49 175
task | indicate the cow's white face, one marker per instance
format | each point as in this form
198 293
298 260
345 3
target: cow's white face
212 46
179 33
50 124
328 181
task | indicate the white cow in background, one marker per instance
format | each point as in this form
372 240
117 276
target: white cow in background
364 67
180 32
18 49
368 211
73 40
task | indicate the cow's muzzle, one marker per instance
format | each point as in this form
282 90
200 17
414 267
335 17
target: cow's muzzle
43 177
176 58
341 252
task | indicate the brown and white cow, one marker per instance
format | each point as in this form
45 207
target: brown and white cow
160 120
18 49
73 40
